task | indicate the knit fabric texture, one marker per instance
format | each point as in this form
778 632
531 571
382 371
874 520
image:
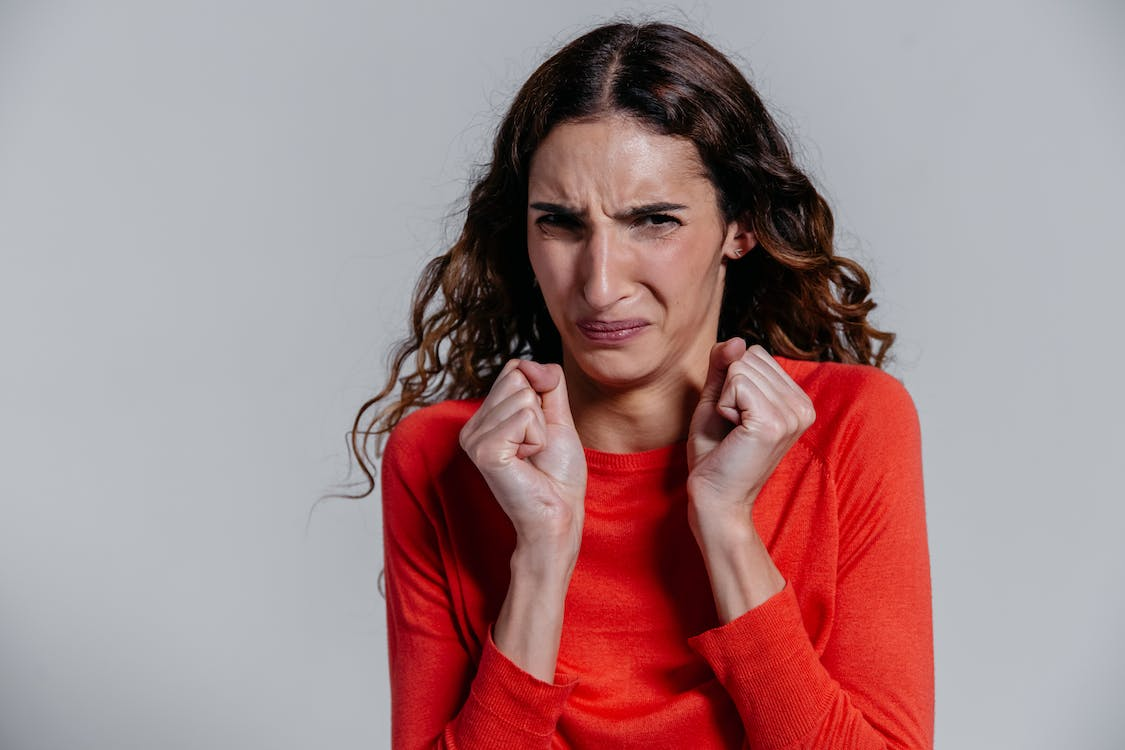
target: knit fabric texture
841 657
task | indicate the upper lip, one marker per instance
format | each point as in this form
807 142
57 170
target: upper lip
611 325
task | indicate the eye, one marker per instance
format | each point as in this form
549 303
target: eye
658 223
557 221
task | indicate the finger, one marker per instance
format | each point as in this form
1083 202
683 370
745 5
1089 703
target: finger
802 404
739 397
722 355
550 384
778 394
509 381
761 354
747 401
525 398
518 436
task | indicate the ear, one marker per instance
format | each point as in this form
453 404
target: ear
739 240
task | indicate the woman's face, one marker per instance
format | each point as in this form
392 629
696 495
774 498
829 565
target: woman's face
629 247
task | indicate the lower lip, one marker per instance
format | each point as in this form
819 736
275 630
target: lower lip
612 337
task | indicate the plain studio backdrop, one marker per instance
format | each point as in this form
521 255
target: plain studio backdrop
212 213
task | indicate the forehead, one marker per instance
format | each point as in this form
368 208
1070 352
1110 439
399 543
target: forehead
615 157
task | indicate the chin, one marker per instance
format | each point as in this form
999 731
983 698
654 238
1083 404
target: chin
614 369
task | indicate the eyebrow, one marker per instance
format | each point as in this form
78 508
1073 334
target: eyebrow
631 213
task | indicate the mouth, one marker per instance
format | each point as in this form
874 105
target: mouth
611 330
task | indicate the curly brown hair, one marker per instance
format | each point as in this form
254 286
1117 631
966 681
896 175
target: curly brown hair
476 306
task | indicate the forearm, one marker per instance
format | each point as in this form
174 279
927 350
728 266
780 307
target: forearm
529 627
787 696
742 573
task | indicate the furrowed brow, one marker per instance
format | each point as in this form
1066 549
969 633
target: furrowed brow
558 208
650 208
631 213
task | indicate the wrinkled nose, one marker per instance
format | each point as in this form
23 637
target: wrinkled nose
605 271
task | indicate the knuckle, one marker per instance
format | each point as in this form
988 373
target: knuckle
774 426
511 371
738 367
793 422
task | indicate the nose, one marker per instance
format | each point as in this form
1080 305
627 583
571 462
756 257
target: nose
606 278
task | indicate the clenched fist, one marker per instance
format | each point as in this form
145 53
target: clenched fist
523 442
750 414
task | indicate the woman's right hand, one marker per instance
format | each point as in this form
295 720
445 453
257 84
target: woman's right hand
523 441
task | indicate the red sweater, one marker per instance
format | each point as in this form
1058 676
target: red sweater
842 657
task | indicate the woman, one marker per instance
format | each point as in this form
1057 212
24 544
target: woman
660 493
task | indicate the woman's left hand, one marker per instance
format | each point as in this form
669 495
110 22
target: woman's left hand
750 414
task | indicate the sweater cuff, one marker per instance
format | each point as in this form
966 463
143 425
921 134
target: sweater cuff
508 707
765 661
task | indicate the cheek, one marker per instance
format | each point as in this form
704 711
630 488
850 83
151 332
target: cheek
549 274
535 257
697 267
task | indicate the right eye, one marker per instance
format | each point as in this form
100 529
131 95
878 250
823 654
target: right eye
558 223
556 220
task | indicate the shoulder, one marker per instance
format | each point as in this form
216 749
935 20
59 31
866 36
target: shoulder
856 406
868 436
433 421
430 435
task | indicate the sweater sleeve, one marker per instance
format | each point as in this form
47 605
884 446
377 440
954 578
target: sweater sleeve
873 687
440 698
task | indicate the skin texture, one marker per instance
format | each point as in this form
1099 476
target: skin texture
665 268
624 226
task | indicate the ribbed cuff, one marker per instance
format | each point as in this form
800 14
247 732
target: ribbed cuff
767 664
508 707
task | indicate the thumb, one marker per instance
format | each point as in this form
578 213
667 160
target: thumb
723 354
549 383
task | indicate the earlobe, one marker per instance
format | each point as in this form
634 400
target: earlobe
741 243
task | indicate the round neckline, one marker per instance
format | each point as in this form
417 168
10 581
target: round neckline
654 458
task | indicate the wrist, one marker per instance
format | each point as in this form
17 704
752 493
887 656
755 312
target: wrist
529 627
721 520
742 573
546 563
721 537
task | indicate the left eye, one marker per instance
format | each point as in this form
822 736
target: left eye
664 221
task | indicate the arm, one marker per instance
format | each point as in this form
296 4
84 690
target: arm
439 697
873 686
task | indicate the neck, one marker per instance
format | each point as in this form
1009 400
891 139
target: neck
632 419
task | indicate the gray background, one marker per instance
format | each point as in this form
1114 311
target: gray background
211 214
